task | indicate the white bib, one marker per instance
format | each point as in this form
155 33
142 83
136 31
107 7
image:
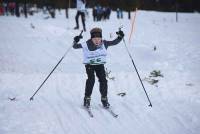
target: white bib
95 57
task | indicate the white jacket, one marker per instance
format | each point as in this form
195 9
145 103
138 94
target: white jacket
80 5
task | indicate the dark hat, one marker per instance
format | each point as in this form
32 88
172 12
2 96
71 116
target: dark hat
96 32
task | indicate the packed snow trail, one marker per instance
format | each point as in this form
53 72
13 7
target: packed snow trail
28 55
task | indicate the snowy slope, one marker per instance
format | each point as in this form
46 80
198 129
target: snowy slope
28 54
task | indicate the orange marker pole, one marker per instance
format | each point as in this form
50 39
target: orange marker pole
132 26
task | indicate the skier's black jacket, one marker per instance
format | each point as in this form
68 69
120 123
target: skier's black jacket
93 47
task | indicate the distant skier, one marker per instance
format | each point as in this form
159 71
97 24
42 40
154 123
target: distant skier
80 4
94 58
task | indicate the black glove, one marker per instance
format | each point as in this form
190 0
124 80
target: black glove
77 38
120 34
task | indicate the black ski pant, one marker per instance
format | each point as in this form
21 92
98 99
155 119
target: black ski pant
100 73
82 14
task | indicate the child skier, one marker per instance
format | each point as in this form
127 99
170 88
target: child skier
94 58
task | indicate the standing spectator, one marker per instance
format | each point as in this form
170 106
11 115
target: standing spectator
5 8
25 9
80 4
51 9
17 13
99 13
12 6
108 12
129 14
119 13
66 12
1 9
94 13
104 13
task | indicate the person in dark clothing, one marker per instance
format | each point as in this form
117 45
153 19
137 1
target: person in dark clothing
94 58
80 12
94 13
108 12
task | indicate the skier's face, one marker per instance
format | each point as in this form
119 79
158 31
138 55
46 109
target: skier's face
96 41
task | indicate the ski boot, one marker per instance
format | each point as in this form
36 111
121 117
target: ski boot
87 102
105 103
75 28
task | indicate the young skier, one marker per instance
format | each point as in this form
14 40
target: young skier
94 58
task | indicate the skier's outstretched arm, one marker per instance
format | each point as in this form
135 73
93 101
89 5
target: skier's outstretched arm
115 41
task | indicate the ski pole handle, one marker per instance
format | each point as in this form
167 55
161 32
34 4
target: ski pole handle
77 38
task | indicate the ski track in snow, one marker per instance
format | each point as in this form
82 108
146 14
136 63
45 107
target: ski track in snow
28 55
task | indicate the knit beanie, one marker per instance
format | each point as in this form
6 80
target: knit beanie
96 32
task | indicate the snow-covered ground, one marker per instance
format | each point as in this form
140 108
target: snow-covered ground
27 55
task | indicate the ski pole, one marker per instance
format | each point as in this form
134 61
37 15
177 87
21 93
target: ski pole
136 71
52 70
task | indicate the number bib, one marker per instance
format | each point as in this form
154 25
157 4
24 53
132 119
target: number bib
94 57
